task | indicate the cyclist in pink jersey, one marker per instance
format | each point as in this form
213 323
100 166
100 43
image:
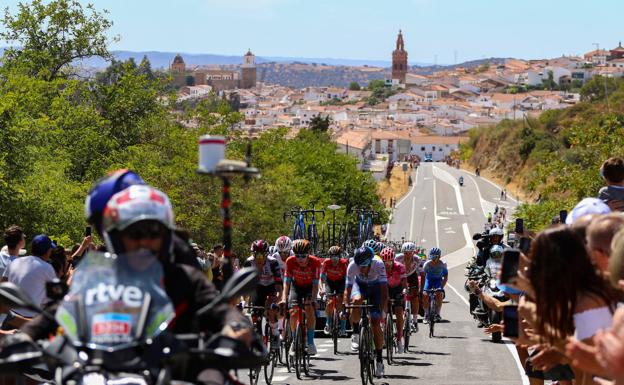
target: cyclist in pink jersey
397 287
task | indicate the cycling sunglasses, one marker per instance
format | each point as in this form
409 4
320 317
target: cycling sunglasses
145 230
301 256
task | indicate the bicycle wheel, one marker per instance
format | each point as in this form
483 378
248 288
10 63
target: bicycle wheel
254 375
313 237
407 329
287 343
335 327
269 368
306 356
299 352
389 338
432 312
363 354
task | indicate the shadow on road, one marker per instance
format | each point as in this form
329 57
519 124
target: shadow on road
327 375
408 363
452 337
400 377
433 353
325 359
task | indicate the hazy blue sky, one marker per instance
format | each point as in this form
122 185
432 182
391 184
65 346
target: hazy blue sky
366 29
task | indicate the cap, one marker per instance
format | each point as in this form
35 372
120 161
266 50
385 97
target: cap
587 206
41 244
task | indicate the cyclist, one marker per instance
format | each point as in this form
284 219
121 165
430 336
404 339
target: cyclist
375 245
414 270
284 246
333 273
436 276
269 284
397 286
367 280
301 280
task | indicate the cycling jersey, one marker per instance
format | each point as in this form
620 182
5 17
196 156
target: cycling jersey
434 274
396 275
332 272
281 262
270 273
415 267
302 275
376 274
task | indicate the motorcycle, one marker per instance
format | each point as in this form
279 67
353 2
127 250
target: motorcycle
461 181
114 320
487 283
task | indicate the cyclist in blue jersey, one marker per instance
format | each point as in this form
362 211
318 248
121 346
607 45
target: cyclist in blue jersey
436 276
367 280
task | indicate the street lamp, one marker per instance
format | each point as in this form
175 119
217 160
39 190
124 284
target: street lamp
333 208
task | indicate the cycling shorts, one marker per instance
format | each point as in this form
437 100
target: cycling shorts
299 292
336 287
396 294
413 282
370 292
262 294
433 284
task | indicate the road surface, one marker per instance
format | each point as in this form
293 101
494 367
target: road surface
436 211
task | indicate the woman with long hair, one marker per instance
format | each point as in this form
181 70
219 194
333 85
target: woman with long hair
572 298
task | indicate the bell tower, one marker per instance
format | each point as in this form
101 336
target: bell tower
399 60
248 71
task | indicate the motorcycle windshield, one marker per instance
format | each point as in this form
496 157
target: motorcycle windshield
115 301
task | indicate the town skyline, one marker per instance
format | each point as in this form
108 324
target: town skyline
442 32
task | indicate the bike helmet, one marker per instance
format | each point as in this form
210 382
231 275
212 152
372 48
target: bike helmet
272 250
379 246
260 246
138 203
335 251
496 251
104 189
496 231
408 247
301 246
284 244
369 243
363 256
435 252
387 254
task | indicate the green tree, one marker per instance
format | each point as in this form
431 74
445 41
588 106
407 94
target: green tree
319 124
354 86
598 87
45 39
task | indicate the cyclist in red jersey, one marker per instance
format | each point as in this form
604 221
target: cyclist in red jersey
397 287
301 280
333 274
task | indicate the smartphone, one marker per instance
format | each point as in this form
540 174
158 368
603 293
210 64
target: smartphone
88 231
510 318
509 268
519 226
524 245
563 214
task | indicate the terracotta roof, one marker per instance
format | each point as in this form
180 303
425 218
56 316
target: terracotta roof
355 139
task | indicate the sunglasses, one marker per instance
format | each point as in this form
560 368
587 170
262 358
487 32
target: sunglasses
301 256
145 231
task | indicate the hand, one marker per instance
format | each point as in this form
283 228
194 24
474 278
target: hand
243 334
610 354
546 359
86 242
584 356
493 328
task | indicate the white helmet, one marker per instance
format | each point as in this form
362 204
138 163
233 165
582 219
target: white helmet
408 247
496 231
284 244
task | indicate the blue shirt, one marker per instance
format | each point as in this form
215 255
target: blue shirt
434 274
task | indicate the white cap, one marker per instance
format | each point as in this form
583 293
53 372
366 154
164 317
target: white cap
587 206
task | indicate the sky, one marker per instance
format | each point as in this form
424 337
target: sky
435 30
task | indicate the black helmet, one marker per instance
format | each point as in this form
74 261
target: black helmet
301 246
363 256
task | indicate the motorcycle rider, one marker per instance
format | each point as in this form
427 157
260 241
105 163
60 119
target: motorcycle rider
493 238
461 180
141 218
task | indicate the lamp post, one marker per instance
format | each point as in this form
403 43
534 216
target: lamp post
333 208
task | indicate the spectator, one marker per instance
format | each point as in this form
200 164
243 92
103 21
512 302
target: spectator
616 261
599 236
217 273
14 240
572 298
612 172
32 272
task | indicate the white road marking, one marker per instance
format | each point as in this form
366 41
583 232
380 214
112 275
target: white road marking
492 183
279 378
322 350
450 179
424 207
411 233
435 211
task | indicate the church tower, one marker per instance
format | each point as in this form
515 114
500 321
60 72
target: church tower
399 60
248 71
178 71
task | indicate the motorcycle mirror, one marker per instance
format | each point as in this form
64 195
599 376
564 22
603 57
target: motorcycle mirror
243 282
14 297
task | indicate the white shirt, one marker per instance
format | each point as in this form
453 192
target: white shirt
5 260
31 274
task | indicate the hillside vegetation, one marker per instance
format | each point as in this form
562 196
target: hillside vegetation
60 133
555 158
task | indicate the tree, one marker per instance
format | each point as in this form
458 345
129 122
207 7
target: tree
47 38
319 124
354 86
596 87
145 68
376 84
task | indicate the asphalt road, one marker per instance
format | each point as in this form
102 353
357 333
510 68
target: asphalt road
436 211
